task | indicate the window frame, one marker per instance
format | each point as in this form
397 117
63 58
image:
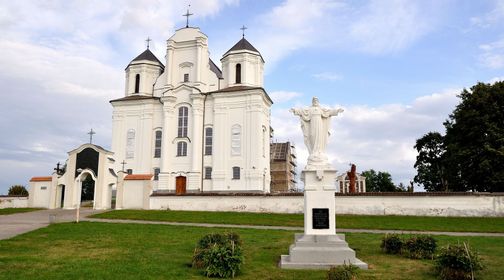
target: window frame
158 138
208 141
182 149
183 121
137 83
236 140
208 173
236 173
157 170
238 73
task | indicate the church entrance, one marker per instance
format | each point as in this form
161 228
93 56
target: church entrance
180 185
87 192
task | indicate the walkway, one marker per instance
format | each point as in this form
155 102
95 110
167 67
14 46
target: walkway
339 230
15 224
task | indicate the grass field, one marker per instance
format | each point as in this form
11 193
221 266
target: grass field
465 224
8 211
135 251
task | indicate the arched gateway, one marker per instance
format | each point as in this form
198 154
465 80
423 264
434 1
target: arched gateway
86 177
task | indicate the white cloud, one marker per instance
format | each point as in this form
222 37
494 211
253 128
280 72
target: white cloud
386 26
284 96
375 27
381 138
495 16
328 76
493 54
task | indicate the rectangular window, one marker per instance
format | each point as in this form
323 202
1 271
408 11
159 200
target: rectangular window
157 144
129 171
182 121
181 149
208 141
208 172
236 140
236 173
156 173
130 143
186 78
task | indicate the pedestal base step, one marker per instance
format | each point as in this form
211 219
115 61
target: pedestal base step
319 252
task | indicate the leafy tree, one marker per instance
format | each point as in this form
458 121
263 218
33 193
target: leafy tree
378 182
429 162
474 140
18 190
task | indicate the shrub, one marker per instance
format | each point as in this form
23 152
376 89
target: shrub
18 190
420 247
457 262
220 255
343 272
391 244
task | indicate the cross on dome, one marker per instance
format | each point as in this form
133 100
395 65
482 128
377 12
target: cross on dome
243 28
187 15
148 40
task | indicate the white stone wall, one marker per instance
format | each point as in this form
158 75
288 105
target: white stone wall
463 205
13 202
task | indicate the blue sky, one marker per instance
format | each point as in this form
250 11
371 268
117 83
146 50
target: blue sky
394 66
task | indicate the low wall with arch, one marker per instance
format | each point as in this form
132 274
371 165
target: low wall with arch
414 204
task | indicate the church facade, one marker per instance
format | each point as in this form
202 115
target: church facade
194 127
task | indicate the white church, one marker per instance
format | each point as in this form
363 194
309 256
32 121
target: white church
183 126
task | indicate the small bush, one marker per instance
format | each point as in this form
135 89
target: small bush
457 262
391 244
420 247
220 255
343 272
18 190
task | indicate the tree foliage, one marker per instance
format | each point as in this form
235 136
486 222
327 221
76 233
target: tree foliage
18 190
379 182
429 163
470 157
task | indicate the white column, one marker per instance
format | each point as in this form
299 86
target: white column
197 134
169 133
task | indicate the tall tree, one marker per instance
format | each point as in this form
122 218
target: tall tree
475 140
429 162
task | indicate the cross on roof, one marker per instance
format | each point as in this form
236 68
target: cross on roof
91 132
243 28
148 40
187 15
123 163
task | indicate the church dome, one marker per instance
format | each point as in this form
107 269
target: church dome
242 45
146 55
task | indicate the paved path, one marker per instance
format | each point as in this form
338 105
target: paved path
15 224
339 230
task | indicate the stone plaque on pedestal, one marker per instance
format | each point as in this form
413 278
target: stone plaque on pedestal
320 218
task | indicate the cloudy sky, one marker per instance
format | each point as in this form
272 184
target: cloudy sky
394 66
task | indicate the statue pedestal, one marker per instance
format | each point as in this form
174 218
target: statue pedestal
319 247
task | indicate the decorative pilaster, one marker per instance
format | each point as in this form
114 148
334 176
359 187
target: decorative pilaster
167 149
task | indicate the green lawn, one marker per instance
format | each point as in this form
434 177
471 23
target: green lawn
135 251
8 211
342 221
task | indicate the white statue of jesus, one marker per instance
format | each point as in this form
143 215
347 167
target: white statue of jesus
315 123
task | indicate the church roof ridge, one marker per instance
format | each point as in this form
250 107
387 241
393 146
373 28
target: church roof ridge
147 55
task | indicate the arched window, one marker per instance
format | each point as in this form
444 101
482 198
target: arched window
236 140
238 73
157 144
208 141
182 121
137 83
236 172
182 149
130 143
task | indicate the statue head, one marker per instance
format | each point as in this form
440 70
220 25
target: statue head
315 101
